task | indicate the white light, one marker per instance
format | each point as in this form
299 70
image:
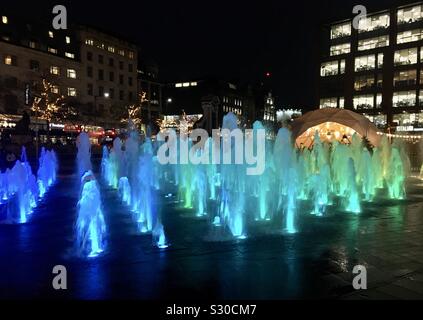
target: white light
106 94
169 100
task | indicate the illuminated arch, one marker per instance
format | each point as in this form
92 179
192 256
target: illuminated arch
330 121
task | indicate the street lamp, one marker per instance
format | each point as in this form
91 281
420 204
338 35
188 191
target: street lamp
106 96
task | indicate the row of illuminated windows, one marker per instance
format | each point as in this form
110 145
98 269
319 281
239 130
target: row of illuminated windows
111 49
367 82
401 78
111 61
70 91
380 21
377 42
368 62
237 102
185 84
101 76
70 73
237 111
331 68
408 119
333 102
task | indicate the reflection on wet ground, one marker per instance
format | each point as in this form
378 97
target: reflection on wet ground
316 262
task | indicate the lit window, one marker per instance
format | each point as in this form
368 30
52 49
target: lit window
364 82
54 70
328 102
100 45
340 30
32 44
51 34
377 42
379 120
380 60
89 42
405 78
4 19
410 14
67 39
131 55
379 100
365 101
178 85
410 36
185 84
121 52
71 92
193 84
342 66
329 68
341 102
340 49
380 21
111 49
364 63
405 56
52 50
408 121
71 73
8 60
403 99
55 89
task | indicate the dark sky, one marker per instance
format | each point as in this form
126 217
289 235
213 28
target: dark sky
228 39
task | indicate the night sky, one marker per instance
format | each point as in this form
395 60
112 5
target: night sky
227 39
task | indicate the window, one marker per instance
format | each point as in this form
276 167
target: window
329 68
100 58
111 62
55 89
71 92
111 76
71 73
340 30
379 120
380 21
410 14
89 56
52 50
101 91
120 94
364 63
120 79
32 44
365 101
372 43
112 93
409 36
34 65
341 102
341 67
131 55
405 56
67 39
10 60
379 80
100 45
130 67
179 85
130 95
379 60
89 42
328 102
405 78
121 52
421 76
90 89
193 84
408 121
70 55
111 49
403 99
90 71
130 81
379 100
340 49
55 70
4 20
364 82
51 34
121 65
100 74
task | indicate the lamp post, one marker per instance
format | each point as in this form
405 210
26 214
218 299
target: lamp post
105 95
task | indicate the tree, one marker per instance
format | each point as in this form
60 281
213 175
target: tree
133 112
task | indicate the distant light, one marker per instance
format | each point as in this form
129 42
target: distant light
169 100
267 74
106 94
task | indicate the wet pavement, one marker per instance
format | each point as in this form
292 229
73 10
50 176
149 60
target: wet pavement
316 262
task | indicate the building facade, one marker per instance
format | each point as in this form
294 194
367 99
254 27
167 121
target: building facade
94 70
376 68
